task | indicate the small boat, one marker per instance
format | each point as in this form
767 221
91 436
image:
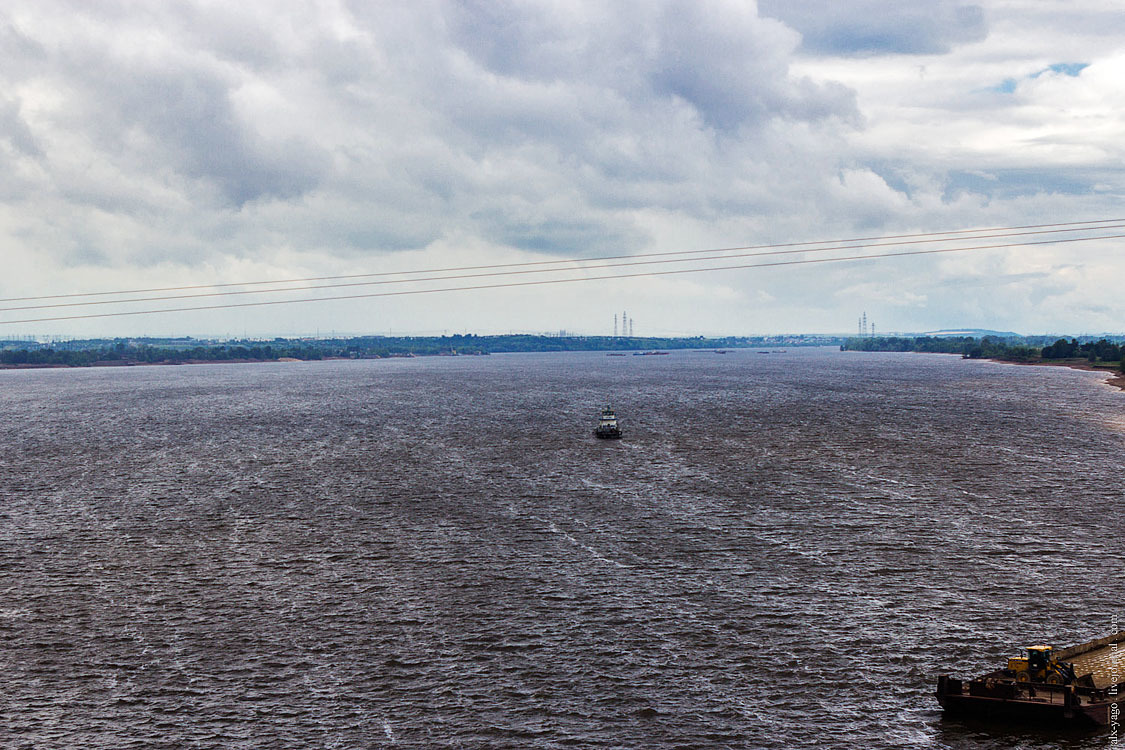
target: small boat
607 428
1077 686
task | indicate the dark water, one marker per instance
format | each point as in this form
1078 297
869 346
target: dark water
785 551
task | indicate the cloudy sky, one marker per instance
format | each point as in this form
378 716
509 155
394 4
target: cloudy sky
147 145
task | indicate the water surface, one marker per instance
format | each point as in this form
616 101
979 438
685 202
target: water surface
784 551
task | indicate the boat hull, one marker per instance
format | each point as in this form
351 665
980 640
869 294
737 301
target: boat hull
1053 705
1091 700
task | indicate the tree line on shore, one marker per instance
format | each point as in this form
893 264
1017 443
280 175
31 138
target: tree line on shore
123 352
146 354
1100 353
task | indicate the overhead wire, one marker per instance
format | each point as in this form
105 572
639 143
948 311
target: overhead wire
587 266
539 282
1087 225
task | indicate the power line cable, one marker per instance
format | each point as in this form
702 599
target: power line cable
540 282
1078 225
525 271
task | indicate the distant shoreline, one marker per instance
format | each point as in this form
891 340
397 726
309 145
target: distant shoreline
168 363
1115 379
132 352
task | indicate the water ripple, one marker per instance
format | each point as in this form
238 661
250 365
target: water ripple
784 551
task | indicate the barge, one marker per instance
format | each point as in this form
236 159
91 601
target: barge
1079 686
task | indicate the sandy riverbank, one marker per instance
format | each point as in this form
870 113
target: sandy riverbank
1114 377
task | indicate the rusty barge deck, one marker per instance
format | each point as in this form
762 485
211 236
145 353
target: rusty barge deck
1092 700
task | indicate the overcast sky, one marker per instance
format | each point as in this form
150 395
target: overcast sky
164 144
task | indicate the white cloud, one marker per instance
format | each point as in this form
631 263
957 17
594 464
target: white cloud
196 142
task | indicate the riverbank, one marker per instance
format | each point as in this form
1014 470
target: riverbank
1102 355
1115 377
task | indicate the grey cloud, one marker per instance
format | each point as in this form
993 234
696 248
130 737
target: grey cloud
1014 183
557 129
874 27
562 130
897 175
190 114
731 67
21 52
189 125
572 83
723 60
584 233
812 102
239 34
22 57
570 237
513 39
85 255
616 107
993 280
378 229
14 130
153 97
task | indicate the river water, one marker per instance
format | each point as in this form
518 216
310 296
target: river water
785 551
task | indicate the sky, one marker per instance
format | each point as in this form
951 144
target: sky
150 145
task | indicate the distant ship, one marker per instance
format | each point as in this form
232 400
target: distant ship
607 428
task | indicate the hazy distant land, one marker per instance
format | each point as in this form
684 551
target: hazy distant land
149 351
1105 353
